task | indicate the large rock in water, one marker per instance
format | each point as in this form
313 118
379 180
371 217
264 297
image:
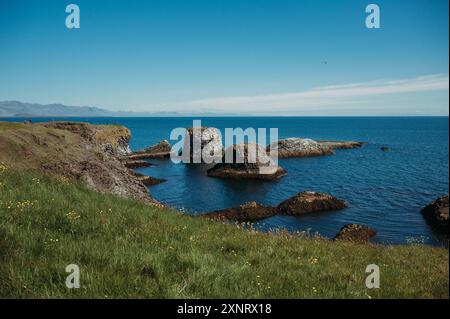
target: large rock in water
436 213
341 144
310 202
246 161
248 212
159 150
305 147
355 233
207 139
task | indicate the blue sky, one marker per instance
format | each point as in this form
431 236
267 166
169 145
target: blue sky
230 56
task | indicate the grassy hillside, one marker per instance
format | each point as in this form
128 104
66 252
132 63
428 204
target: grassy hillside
125 248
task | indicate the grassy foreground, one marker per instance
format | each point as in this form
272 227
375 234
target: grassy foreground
128 249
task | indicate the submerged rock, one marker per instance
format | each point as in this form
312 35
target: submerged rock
436 213
355 233
202 139
248 212
159 150
310 202
384 148
246 161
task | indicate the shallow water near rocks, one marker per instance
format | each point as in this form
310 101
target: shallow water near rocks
384 189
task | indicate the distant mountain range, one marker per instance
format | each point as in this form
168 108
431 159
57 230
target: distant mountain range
20 109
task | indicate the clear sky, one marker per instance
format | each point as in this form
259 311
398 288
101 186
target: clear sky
311 57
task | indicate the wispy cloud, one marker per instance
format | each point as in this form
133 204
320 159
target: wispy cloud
320 97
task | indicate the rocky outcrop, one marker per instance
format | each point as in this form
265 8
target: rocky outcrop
355 233
198 140
310 202
305 147
136 164
246 161
340 144
249 212
159 150
436 213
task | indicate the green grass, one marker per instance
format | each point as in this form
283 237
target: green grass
135 250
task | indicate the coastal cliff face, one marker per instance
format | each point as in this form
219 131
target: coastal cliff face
88 153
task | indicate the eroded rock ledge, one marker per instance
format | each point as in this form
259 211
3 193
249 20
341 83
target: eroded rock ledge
436 213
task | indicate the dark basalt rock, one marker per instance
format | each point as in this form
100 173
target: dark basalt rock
248 212
310 202
208 138
341 144
302 203
355 233
436 213
249 161
299 147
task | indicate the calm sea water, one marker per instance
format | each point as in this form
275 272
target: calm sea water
384 190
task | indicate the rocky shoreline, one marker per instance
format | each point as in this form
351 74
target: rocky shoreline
100 157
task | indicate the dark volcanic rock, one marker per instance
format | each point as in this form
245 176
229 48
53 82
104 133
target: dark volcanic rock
310 202
198 140
355 233
436 213
137 164
248 161
159 150
299 147
91 154
248 212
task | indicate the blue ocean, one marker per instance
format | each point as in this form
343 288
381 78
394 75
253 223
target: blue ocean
384 190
